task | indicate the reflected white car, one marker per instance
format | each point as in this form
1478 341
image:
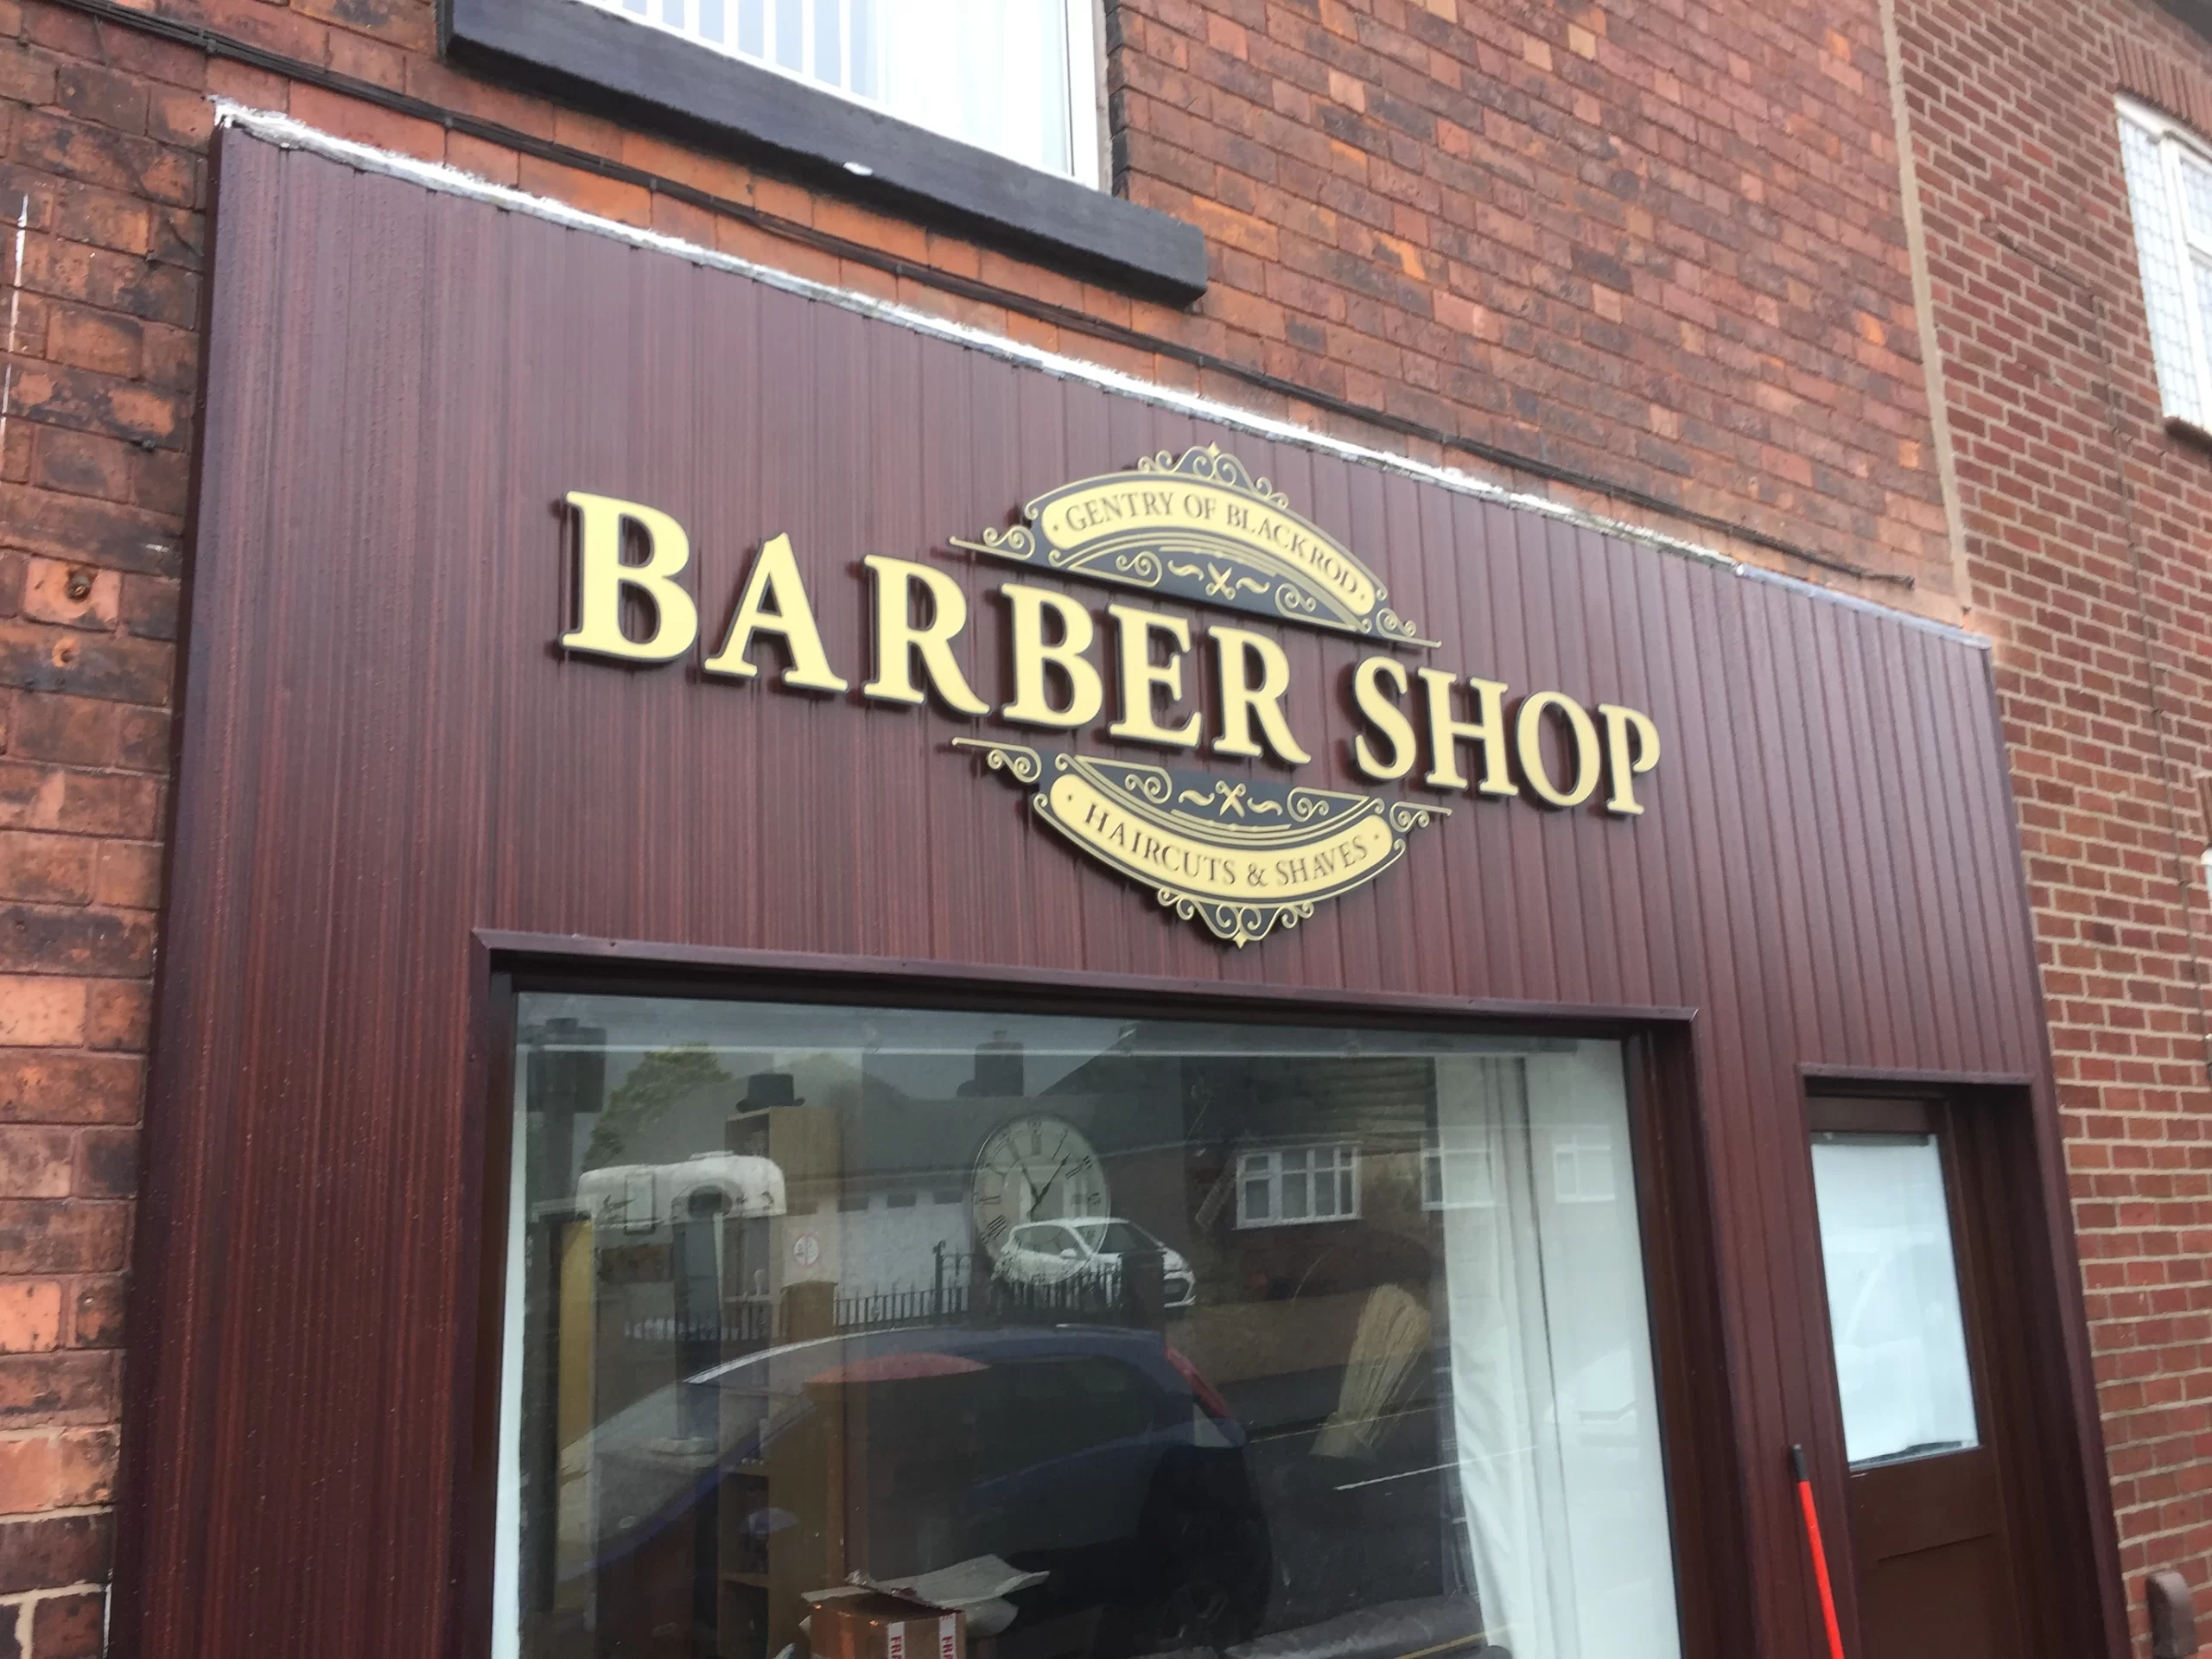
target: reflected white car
643 1197
1050 1252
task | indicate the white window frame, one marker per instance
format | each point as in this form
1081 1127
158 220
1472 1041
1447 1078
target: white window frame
1087 154
1458 1178
1583 1171
1265 1164
1085 67
2184 389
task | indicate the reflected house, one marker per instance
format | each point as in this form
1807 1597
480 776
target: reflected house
881 1218
1359 1225
747 1275
1295 1187
1294 1183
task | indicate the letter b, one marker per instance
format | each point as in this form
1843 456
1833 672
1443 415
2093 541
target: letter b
1033 654
602 575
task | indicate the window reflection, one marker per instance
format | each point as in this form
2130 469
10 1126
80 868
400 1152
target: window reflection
1893 1297
1121 1337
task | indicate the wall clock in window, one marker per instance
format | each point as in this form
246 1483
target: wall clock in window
1034 1168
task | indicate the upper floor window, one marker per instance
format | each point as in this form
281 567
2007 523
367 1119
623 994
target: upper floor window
981 118
1019 78
1582 1165
1287 1186
2169 195
1458 1176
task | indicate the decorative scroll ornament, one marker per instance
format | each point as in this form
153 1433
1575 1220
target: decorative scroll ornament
1203 529
1242 855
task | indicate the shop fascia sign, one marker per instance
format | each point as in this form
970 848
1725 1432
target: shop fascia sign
1243 854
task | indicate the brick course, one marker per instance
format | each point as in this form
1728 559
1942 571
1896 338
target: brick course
1662 244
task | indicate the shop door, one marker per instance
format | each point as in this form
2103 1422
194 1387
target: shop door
1909 1270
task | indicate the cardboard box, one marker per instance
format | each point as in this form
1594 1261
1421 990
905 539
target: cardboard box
878 1627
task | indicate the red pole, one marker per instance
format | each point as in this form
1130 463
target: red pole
1820 1554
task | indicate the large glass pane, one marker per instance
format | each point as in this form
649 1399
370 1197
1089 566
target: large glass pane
829 41
991 72
995 74
1893 1297
2196 194
2159 258
791 34
860 21
2200 273
1154 1335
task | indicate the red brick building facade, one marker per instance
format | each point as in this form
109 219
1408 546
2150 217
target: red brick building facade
2084 522
1663 261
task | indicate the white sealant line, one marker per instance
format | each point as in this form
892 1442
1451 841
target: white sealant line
15 311
288 133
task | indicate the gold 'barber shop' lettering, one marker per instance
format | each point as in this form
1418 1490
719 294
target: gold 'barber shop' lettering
1388 720
602 578
631 606
1582 748
774 601
901 642
1631 750
1446 733
1245 698
1144 682
1034 655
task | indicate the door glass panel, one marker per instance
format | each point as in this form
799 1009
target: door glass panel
1122 1337
1893 1297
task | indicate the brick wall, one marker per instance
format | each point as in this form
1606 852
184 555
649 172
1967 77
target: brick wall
92 476
2085 543
1659 242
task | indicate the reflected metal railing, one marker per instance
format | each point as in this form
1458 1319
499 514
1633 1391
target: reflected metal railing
963 1289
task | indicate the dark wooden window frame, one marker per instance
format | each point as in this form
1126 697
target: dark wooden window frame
1994 1161
582 54
1693 1347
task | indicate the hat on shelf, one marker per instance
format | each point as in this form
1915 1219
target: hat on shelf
765 1089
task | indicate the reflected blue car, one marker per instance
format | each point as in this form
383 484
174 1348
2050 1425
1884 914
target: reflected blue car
1097 1455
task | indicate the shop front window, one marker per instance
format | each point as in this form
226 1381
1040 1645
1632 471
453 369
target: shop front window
833 1329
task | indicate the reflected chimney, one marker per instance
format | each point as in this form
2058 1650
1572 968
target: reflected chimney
999 1069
